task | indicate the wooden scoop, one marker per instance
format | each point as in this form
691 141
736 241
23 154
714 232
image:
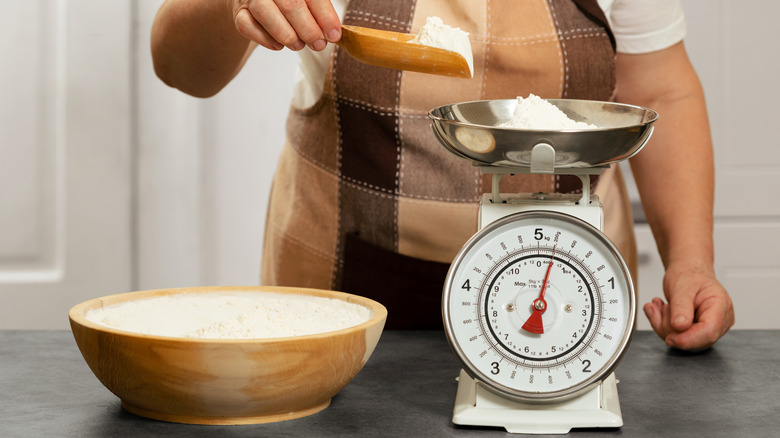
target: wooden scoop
392 50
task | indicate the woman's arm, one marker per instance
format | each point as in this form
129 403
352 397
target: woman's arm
675 178
199 46
195 46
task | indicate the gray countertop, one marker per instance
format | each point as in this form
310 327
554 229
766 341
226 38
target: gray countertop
407 389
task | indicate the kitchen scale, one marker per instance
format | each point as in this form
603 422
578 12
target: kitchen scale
539 305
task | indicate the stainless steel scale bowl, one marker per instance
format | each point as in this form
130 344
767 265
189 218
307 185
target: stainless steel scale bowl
468 130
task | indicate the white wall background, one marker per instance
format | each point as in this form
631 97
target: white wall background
112 182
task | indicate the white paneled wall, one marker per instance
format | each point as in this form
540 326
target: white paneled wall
65 157
110 181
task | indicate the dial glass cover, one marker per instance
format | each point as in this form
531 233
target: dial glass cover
539 305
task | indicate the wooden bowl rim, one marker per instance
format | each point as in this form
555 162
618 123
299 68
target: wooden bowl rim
77 314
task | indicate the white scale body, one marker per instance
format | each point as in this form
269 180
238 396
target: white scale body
491 289
539 305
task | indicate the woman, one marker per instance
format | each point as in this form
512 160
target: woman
389 208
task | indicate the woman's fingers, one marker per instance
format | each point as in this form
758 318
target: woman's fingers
288 23
247 26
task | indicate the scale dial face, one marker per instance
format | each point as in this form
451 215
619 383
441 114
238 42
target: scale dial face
539 306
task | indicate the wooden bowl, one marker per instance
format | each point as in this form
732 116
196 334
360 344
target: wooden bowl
225 381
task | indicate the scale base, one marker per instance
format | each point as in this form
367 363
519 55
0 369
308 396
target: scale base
475 405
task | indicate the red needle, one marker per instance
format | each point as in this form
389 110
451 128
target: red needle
534 323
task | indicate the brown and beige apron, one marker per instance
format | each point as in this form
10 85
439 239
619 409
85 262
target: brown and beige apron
365 200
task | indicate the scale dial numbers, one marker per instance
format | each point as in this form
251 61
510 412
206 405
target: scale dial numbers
539 306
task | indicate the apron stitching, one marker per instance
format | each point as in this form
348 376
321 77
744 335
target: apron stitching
564 78
365 106
376 19
383 111
462 204
545 37
581 30
525 39
477 181
583 35
385 193
486 55
399 141
339 263
528 43
564 55
399 167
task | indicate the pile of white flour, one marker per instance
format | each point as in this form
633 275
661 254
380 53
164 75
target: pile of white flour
437 34
245 315
534 112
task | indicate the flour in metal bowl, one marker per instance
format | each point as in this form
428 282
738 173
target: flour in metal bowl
534 112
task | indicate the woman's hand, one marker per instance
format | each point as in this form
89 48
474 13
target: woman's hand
275 24
699 311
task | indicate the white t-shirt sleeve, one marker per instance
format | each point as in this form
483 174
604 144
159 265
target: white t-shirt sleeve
642 26
313 66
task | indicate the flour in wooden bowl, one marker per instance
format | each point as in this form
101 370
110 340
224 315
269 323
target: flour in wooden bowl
247 315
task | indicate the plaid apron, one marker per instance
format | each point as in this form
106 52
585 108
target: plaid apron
365 200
